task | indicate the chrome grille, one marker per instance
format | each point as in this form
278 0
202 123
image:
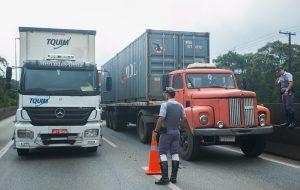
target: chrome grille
236 111
249 111
42 116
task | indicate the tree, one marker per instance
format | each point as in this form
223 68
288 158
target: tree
257 71
3 63
7 98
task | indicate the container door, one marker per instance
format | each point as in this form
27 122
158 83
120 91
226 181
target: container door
163 59
193 48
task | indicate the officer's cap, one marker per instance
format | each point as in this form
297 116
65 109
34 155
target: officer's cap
170 90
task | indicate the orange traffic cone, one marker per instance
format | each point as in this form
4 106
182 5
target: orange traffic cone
154 167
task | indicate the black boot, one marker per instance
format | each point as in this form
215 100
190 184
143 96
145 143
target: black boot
292 121
164 180
288 119
175 166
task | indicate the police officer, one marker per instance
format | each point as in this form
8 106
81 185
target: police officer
170 115
285 81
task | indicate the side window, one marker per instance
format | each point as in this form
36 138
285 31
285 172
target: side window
177 82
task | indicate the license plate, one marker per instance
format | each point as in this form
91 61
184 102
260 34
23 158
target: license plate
227 138
59 131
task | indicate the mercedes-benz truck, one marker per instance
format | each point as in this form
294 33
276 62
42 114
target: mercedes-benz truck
59 90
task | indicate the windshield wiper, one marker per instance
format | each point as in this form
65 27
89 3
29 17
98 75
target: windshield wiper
68 91
213 86
36 90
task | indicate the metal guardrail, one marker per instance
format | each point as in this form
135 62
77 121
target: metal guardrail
7 112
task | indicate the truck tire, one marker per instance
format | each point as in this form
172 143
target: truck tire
189 144
115 123
143 130
252 146
23 152
108 119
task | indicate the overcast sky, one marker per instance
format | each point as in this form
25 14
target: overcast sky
231 23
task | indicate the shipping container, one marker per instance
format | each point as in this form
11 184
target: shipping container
137 70
38 43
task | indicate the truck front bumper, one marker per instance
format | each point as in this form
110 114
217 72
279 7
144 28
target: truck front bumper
74 137
233 131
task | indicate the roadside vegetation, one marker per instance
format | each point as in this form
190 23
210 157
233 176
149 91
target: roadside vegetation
7 97
257 70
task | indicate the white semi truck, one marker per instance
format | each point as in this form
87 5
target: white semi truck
59 90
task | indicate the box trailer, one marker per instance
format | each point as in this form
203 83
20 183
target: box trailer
38 43
135 75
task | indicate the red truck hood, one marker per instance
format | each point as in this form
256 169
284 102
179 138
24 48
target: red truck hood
205 93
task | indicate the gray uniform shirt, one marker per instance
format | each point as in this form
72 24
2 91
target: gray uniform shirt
173 113
284 81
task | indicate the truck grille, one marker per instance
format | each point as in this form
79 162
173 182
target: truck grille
241 112
41 116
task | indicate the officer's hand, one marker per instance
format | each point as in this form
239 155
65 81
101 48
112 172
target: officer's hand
154 136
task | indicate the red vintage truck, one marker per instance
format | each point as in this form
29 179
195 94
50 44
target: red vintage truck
218 113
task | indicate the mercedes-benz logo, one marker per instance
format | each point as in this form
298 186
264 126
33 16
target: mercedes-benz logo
59 113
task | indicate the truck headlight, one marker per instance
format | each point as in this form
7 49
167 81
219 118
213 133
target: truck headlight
262 119
203 119
91 133
220 124
25 134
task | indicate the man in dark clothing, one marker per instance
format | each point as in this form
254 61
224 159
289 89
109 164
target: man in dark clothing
285 81
170 115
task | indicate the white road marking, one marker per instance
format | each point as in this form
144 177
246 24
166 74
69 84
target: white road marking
170 185
110 143
264 158
6 148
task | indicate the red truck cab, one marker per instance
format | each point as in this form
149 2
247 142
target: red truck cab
217 112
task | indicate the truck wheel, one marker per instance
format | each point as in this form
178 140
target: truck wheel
23 152
108 119
253 146
115 121
143 131
92 149
189 144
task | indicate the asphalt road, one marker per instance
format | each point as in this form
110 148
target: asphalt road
118 165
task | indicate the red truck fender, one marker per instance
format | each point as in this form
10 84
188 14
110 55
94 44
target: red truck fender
194 113
261 109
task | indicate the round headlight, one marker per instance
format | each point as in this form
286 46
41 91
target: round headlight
203 119
262 119
220 124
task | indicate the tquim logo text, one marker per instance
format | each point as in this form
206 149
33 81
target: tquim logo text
39 101
58 43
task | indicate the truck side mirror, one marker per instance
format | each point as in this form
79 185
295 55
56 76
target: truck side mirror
108 83
165 82
99 77
8 74
8 78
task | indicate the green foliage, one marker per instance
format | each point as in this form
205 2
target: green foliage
257 70
7 97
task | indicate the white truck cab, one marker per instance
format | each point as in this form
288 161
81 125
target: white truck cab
59 95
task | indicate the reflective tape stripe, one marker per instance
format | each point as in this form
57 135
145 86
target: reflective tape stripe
175 157
154 148
163 158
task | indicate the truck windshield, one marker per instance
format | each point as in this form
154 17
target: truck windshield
59 82
210 81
